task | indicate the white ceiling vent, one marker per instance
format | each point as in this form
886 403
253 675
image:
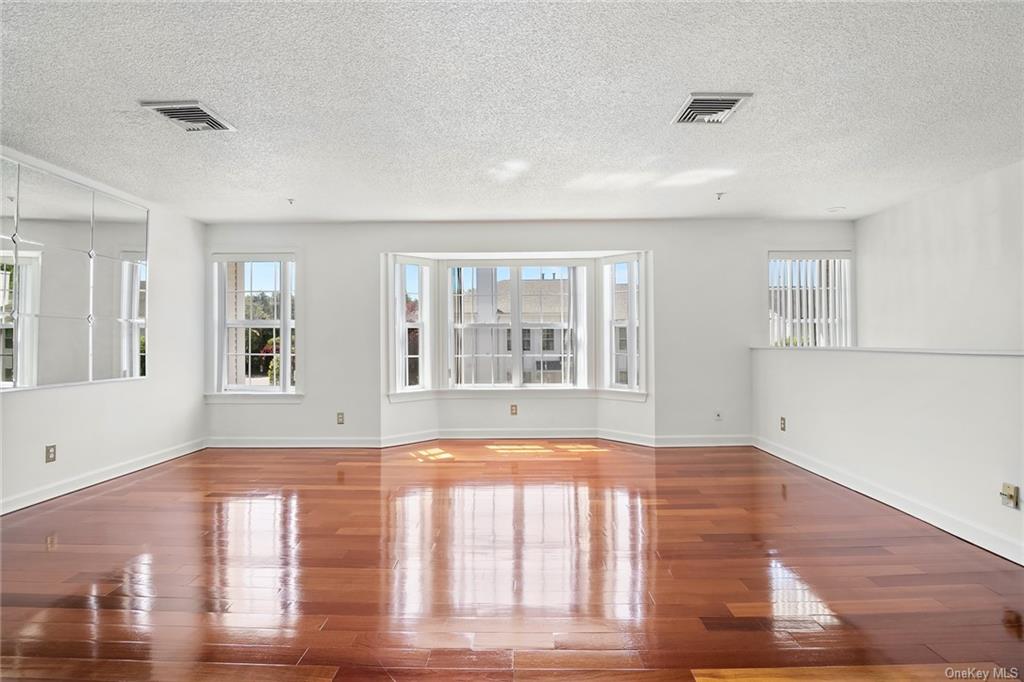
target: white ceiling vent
191 115
711 107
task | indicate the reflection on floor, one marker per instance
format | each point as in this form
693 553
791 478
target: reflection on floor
494 560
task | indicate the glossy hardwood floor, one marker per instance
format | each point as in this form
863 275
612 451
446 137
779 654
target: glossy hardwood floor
498 560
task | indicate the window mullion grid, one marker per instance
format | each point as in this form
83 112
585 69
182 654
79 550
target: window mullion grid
222 338
422 334
284 345
517 328
631 322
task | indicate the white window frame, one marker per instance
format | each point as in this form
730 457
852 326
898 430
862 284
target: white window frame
807 306
636 323
581 269
398 336
289 263
28 271
132 316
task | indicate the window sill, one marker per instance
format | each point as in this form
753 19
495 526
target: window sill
520 392
253 398
623 394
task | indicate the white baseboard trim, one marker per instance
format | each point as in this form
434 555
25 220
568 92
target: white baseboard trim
397 439
69 485
293 442
704 441
1003 545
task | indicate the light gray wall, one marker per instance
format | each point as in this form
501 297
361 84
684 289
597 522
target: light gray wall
709 305
945 269
107 429
934 434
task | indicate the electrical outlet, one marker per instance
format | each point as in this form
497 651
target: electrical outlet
782 423
513 409
718 416
341 417
51 453
1011 495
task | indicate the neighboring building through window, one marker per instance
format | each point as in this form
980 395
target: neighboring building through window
809 300
622 323
7 320
258 299
487 307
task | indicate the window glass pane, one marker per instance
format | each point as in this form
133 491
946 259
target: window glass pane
6 282
621 369
412 279
6 353
412 308
292 277
413 372
412 341
621 340
809 302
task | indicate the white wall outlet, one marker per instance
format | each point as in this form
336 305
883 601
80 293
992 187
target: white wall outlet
782 423
341 417
51 453
718 415
513 409
1010 494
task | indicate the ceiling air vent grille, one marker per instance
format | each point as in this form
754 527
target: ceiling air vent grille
191 115
711 107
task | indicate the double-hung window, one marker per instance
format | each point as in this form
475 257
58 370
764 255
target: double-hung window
515 325
481 325
7 319
133 318
256 313
622 316
809 299
412 313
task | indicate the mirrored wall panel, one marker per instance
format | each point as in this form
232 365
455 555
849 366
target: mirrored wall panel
72 281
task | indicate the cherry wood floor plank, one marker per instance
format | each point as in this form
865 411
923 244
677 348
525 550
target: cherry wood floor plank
492 560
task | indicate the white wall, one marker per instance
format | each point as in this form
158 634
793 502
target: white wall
933 434
111 428
945 270
708 301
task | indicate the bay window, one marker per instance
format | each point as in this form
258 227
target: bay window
465 321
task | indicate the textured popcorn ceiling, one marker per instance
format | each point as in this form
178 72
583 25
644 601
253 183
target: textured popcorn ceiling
506 111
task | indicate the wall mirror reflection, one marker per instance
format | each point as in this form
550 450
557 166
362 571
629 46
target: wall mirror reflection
73 273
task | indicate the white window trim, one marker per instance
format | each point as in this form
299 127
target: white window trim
396 336
133 318
25 328
289 260
637 347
